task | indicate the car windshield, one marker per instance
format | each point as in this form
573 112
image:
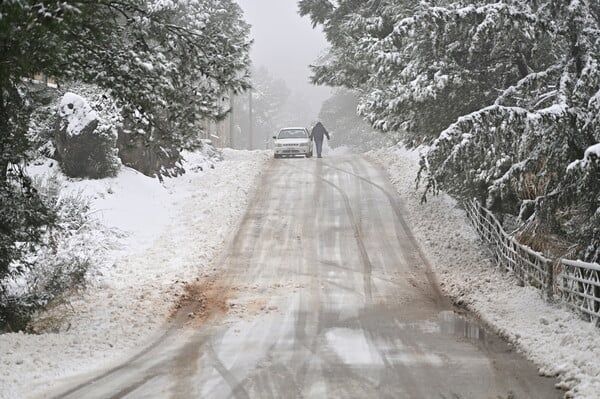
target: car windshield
292 134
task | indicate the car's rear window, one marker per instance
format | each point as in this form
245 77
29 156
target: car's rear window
292 134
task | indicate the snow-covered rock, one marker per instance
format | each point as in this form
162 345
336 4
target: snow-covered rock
76 114
85 145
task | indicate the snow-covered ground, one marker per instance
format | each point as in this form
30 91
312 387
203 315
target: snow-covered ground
555 339
174 231
177 228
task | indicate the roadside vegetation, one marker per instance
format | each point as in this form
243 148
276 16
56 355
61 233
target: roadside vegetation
131 83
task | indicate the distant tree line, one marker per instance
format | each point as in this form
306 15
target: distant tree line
269 98
274 105
505 93
166 64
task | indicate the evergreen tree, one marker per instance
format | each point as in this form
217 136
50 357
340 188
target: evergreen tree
508 90
514 154
165 62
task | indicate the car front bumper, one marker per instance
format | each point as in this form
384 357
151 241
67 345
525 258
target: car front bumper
292 150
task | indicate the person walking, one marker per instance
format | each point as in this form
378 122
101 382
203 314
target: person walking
317 134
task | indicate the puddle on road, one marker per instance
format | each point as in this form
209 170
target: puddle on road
461 327
452 323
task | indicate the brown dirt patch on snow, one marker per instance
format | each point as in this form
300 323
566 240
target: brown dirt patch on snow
200 301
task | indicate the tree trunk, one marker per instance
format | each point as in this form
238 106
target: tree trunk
4 135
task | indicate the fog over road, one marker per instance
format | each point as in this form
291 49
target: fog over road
323 293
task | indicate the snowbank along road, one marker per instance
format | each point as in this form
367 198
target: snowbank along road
323 292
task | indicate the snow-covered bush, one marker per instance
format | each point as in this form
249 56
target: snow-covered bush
85 141
23 216
62 261
204 159
100 100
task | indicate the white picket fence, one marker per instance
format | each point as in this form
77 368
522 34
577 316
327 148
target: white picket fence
576 283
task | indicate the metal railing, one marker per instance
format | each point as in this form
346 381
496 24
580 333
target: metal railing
574 282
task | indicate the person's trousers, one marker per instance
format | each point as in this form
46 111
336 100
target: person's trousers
319 144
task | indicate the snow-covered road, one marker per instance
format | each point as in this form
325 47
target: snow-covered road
324 292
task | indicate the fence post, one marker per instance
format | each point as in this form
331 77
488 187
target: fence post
550 282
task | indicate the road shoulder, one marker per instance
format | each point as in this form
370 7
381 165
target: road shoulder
555 339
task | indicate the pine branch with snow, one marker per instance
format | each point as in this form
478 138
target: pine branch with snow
505 92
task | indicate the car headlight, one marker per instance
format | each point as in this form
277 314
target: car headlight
278 145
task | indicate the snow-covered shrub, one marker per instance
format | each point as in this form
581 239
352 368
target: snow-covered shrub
62 262
22 215
211 152
206 158
45 101
85 141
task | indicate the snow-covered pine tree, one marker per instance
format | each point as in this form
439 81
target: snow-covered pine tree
514 154
419 66
166 62
511 86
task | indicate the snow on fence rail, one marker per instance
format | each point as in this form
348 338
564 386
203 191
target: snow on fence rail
576 283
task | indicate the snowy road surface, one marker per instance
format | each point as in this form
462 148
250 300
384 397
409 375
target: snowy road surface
324 292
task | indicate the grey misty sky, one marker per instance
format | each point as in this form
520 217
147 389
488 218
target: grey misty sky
285 44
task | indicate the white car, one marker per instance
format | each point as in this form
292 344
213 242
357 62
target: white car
292 141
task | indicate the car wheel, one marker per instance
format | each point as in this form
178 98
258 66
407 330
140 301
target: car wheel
308 154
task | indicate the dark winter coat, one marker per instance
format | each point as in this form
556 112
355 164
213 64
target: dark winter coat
318 132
